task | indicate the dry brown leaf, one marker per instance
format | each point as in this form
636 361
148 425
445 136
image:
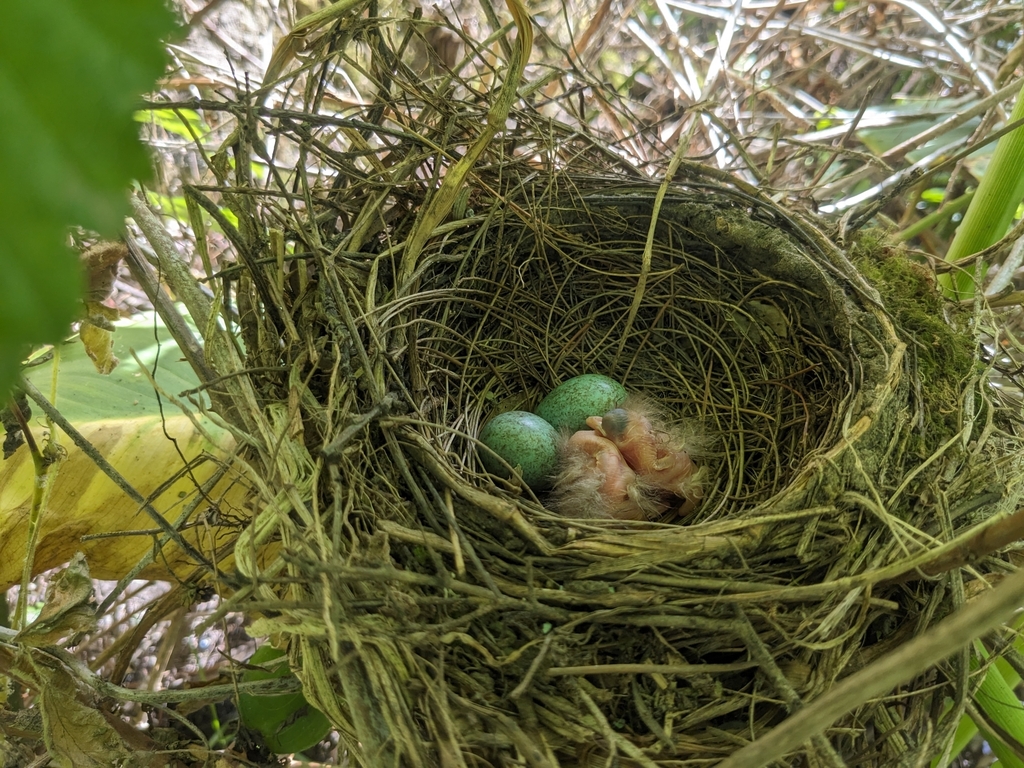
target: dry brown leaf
68 608
76 735
100 264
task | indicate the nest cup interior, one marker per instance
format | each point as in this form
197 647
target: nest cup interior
721 331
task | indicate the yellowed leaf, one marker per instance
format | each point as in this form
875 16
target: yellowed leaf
97 336
149 453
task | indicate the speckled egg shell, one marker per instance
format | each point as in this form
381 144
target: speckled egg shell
569 404
524 440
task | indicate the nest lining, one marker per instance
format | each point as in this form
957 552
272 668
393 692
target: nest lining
740 350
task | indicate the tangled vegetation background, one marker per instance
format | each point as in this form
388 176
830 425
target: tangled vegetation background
388 224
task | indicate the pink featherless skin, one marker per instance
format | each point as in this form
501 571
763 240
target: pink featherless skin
595 481
630 466
648 450
615 476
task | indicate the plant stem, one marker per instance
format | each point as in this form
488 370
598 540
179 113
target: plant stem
992 209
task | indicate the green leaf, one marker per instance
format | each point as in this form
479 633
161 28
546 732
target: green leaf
177 122
287 722
83 395
881 139
178 207
172 206
71 72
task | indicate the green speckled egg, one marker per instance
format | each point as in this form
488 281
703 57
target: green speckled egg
569 404
524 440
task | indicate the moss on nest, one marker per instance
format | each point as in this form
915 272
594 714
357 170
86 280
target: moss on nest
937 332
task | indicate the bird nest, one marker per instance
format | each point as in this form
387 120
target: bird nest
439 615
